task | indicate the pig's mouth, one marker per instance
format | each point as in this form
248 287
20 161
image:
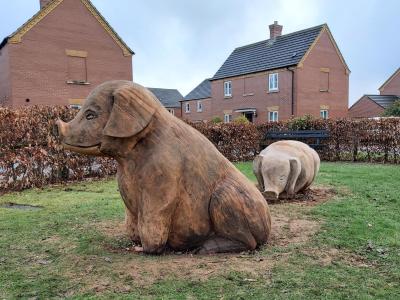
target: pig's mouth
89 150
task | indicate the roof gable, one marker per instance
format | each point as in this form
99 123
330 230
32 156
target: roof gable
283 51
397 72
330 36
202 91
17 36
383 101
168 97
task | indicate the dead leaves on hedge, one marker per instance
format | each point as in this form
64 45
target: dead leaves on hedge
31 156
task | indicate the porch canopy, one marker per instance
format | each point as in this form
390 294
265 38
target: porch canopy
246 110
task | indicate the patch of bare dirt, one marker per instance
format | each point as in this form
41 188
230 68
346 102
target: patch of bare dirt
287 230
290 226
312 196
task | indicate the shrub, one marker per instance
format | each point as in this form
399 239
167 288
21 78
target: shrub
241 120
393 110
30 155
237 142
306 122
216 120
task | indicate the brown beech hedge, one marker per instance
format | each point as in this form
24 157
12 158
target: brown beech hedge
30 155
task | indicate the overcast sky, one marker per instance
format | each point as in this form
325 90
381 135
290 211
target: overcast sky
178 43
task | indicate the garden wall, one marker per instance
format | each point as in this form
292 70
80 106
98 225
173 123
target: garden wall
30 155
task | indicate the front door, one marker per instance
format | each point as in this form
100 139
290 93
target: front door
249 116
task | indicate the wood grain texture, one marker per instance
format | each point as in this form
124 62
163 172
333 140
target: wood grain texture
285 168
179 191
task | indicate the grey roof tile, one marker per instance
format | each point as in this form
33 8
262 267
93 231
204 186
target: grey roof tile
283 51
168 97
383 100
202 91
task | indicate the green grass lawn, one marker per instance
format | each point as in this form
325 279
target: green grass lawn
345 248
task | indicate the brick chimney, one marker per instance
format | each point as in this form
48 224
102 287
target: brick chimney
43 3
275 30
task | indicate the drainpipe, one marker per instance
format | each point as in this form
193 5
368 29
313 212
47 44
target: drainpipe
292 103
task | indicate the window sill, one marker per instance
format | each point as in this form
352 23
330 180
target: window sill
248 94
272 91
199 111
227 97
324 91
77 82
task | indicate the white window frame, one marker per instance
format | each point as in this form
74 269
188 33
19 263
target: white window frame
171 111
324 113
228 88
199 106
75 106
273 82
187 107
227 118
273 116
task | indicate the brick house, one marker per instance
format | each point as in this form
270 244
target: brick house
60 54
196 106
170 99
372 106
287 75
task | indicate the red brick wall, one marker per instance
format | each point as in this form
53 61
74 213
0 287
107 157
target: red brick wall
177 111
194 115
251 91
5 88
393 86
40 65
309 98
365 108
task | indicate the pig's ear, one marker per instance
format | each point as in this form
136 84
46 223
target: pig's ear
257 165
295 169
132 111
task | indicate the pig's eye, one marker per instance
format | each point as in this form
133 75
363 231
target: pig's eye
90 115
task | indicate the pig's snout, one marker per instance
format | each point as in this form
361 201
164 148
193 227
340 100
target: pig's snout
60 129
271 194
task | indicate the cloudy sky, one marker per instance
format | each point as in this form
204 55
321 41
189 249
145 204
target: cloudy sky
178 43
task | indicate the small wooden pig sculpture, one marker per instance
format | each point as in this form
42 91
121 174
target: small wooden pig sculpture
179 191
285 166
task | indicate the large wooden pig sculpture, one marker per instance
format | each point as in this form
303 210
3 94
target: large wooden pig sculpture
179 191
285 167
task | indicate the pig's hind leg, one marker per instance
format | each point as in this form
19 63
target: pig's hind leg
239 221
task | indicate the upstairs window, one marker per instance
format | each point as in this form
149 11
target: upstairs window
77 72
324 82
324 114
75 106
227 118
171 111
228 89
273 82
199 106
273 116
187 107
